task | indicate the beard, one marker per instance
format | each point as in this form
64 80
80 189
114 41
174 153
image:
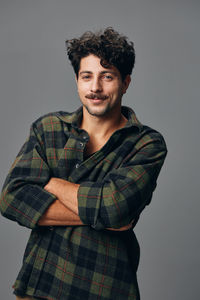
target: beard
101 105
95 111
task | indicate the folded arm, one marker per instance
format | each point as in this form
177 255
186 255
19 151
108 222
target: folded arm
23 198
29 194
65 210
121 196
26 195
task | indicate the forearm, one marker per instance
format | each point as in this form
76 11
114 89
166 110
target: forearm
64 211
59 215
25 204
122 195
65 191
23 198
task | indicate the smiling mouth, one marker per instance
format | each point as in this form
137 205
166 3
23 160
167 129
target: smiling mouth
96 97
96 100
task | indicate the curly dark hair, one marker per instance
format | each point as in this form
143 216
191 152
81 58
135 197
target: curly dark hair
110 46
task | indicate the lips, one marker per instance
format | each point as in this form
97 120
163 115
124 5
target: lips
96 101
96 97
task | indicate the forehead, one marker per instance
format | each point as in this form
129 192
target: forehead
91 63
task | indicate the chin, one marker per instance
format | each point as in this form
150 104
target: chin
97 112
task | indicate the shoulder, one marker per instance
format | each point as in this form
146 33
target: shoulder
142 134
149 135
51 121
56 116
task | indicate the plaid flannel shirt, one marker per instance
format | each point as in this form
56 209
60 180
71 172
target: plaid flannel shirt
116 183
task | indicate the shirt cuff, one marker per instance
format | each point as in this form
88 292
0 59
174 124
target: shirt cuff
89 201
36 201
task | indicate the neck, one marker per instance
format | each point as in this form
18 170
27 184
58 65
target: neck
102 126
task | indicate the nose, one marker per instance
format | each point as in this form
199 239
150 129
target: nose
96 86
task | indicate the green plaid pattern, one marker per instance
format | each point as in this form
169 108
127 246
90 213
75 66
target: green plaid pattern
116 183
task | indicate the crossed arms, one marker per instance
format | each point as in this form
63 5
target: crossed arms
64 210
31 197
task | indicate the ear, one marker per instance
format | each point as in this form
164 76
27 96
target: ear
126 83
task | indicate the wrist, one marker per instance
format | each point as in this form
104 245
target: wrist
54 186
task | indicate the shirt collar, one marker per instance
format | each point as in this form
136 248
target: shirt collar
131 117
75 117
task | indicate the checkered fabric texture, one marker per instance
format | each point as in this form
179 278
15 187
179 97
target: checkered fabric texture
116 183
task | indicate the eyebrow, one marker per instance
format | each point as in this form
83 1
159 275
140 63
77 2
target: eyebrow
103 72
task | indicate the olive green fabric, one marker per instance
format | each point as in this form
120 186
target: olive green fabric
116 183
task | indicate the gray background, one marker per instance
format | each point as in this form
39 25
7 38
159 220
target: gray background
36 78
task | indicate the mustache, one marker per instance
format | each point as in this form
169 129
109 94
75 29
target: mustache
96 96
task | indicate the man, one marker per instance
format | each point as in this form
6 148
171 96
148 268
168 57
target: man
81 181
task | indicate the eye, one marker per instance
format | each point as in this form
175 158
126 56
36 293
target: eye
85 77
108 77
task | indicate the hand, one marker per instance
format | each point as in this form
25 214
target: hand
126 227
52 186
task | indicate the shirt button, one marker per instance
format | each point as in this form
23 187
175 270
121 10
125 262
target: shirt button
81 144
77 166
85 137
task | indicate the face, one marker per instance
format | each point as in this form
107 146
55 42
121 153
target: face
100 89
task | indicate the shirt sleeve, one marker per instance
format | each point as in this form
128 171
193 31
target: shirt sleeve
23 198
122 195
